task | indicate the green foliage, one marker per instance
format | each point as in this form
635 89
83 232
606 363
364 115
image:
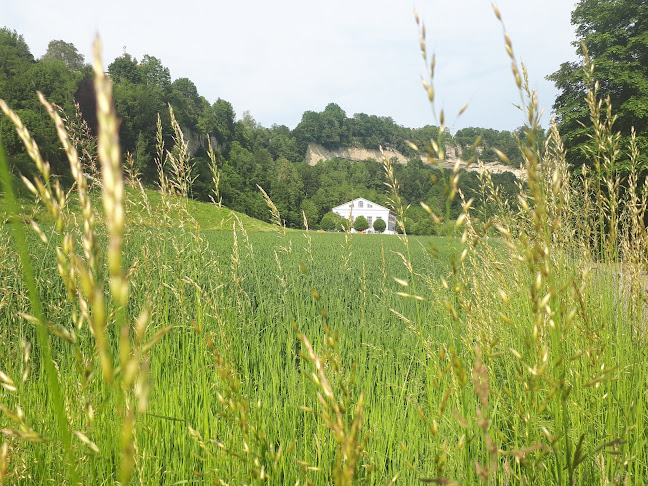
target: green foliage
614 33
311 212
20 77
187 103
330 221
425 227
124 70
379 225
58 50
15 59
344 224
360 224
332 129
286 191
154 73
138 106
487 141
248 153
282 144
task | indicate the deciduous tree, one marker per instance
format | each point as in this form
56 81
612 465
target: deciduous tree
124 69
615 33
58 50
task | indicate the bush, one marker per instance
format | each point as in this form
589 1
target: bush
425 227
330 221
343 224
379 225
409 227
448 228
361 224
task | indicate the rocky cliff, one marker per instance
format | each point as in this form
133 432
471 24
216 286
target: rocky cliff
196 140
316 153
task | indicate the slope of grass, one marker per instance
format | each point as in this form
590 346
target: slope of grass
207 217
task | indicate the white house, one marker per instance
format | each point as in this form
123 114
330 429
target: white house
370 210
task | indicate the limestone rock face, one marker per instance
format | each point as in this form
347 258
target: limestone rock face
196 140
316 152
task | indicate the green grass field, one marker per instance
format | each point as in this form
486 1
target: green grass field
243 311
230 396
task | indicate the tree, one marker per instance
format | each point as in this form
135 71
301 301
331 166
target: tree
335 130
187 104
283 144
614 32
285 191
138 106
154 73
15 59
57 83
221 122
58 50
379 225
344 224
308 130
360 224
124 69
425 227
309 209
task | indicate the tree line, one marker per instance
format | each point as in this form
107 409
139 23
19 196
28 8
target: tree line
248 153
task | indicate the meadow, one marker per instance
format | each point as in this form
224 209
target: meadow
141 348
246 307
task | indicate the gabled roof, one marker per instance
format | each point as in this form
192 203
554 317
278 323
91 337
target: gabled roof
355 206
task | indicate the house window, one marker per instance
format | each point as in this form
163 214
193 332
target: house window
369 218
369 205
360 203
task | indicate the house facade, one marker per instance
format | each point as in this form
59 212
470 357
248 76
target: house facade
370 210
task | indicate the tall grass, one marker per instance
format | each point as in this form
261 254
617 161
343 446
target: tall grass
160 353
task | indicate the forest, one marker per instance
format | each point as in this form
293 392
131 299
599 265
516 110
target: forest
247 153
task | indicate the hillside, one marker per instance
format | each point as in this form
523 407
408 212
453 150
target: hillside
246 154
207 216
151 210
316 153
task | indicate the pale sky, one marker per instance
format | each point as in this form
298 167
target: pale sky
277 59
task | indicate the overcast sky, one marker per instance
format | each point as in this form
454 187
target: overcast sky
280 58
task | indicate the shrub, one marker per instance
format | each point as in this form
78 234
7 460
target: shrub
330 221
425 227
343 224
379 225
361 224
409 227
